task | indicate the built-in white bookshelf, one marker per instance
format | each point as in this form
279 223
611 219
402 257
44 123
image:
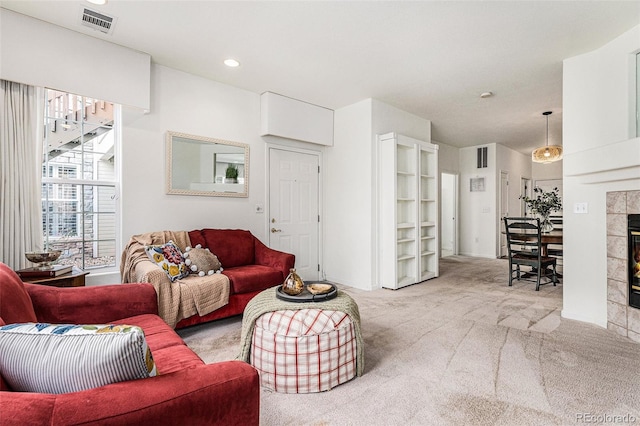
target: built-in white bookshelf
408 210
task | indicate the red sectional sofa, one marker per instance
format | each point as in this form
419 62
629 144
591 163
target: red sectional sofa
186 391
250 265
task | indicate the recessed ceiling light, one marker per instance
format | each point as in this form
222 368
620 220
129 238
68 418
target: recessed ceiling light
486 94
231 63
99 2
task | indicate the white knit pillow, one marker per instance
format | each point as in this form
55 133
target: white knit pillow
61 358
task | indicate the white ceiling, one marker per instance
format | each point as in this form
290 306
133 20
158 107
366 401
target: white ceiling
430 58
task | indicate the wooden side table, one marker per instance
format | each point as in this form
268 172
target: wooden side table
71 279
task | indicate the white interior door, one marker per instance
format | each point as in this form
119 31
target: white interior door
294 208
448 214
525 190
504 211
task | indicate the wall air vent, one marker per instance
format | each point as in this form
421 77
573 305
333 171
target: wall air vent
482 157
97 21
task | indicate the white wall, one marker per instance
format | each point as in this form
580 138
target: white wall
478 209
41 54
190 104
387 118
479 219
185 103
448 158
479 212
541 171
348 198
601 154
350 195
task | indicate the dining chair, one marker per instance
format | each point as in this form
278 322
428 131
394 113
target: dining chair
524 244
555 250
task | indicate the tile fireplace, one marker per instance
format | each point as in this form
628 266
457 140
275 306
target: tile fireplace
623 246
633 236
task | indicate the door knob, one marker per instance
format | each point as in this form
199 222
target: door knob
274 230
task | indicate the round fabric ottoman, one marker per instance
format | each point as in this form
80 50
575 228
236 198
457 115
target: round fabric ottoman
304 351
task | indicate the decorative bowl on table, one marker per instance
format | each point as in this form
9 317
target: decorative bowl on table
318 288
313 292
43 259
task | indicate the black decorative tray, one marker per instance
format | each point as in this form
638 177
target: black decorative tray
306 296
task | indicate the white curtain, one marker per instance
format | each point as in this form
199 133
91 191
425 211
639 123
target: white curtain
20 172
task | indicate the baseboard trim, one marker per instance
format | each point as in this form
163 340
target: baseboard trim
484 256
577 317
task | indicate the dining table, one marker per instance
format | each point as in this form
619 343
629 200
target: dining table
546 238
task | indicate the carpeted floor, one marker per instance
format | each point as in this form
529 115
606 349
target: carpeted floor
462 349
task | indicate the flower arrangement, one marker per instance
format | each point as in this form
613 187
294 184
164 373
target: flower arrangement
542 202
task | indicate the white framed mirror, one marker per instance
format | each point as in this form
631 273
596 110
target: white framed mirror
197 165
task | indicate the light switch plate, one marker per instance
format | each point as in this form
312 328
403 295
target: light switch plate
581 208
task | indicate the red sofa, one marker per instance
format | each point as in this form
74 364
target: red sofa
186 391
250 265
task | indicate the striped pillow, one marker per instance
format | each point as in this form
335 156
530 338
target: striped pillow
61 358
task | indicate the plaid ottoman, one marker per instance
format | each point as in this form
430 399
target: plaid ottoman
303 351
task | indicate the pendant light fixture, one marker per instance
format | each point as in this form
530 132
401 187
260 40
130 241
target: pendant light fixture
547 154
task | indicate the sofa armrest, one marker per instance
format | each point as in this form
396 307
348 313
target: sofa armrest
222 393
146 271
280 260
92 305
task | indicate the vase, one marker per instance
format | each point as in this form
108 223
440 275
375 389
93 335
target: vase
293 284
545 224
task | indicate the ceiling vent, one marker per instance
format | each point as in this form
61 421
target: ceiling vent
97 21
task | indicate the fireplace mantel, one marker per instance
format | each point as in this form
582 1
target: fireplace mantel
614 162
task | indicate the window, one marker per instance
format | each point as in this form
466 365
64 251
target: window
79 179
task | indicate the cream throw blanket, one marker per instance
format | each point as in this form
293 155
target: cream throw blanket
182 298
267 301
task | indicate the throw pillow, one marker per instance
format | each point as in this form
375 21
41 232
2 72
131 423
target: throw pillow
3 384
201 261
61 358
168 257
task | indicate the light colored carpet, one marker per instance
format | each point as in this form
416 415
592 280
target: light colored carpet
462 349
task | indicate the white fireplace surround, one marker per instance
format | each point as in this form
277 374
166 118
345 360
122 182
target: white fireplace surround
621 318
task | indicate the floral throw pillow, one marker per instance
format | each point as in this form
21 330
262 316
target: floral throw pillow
168 257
